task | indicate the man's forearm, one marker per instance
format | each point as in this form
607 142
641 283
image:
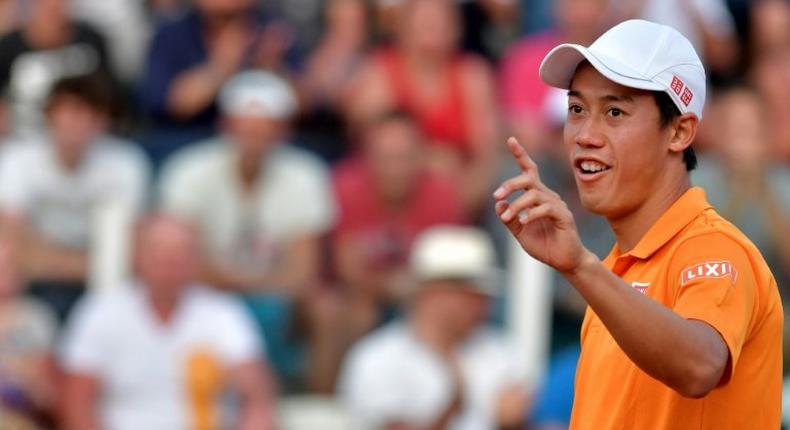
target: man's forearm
689 356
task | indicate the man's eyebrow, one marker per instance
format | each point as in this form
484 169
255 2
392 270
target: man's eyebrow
607 97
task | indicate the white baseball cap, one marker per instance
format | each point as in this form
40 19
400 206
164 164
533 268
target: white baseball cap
258 93
456 253
636 54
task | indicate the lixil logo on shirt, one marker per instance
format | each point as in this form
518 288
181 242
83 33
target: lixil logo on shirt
708 269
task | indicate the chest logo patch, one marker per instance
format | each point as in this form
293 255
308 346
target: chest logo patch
640 286
708 269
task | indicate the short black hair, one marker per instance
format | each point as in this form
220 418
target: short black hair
668 111
95 89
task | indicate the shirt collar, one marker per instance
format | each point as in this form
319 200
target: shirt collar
692 203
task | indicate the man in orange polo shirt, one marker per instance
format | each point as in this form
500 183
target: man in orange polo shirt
684 324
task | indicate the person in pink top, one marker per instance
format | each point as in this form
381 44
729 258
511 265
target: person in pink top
386 197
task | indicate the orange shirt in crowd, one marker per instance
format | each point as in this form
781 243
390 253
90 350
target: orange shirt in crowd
703 268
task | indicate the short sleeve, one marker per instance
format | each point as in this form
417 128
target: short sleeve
239 340
133 178
307 187
716 284
15 185
83 348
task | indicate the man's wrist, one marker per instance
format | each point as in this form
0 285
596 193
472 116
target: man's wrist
587 262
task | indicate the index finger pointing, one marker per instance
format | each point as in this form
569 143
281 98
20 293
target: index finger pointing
520 154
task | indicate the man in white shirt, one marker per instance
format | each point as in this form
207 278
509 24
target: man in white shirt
160 353
52 184
439 368
260 206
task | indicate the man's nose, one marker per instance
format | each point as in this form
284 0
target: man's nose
590 133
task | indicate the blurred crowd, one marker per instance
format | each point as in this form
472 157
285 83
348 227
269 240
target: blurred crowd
308 186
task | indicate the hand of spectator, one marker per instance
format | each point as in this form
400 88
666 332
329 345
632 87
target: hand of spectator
274 41
511 407
229 46
539 219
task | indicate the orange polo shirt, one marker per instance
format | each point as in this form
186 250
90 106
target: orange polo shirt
699 265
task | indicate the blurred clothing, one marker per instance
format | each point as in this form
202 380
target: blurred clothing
389 232
392 376
178 45
27 73
59 203
554 401
156 375
27 337
443 121
292 198
126 27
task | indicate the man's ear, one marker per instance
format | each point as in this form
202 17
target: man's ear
684 130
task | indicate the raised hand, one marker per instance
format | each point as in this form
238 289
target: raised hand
539 219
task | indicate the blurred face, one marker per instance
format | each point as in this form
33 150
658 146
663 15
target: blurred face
743 140
166 255
394 155
9 275
619 152
74 124
253 135
582 20
456 305
345 15
431 27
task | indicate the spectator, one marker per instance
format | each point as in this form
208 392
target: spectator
526 101
744 182
450 93
27 332
439 368
159 352
190 59
51 185
326 78
49 46
386 198
261 207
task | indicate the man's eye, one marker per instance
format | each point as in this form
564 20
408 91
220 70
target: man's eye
575 109
615 112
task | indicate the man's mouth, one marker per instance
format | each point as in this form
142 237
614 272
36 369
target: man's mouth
589 169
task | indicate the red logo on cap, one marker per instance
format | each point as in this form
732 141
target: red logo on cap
677 85
687 96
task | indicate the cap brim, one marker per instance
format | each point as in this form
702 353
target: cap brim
559 66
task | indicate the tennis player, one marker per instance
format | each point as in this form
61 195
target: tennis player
684 324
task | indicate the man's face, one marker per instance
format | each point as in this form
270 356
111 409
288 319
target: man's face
394 152
166 255
223 8
460 308
616 145
73 123
431 26
254 135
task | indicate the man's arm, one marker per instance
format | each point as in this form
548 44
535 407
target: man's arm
688 356
255 385
79 402
42 258
299 268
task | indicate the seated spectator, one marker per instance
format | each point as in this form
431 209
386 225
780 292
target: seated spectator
159 352
27 331
52 183
48 47
190 59
526 101
386 198
260 205
439 368
450 93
